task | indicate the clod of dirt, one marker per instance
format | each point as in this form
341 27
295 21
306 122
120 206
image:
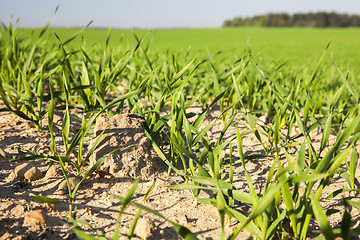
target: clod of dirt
20 170
144 228
121 131
33 174
18 211
34 218
53 172
27 171
63 187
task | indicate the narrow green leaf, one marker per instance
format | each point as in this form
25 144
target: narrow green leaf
43 30
84 129
250 227
201 117
220 205
126 201
66 127
182 71
47 199
307 178
181 230
353 203
239 146
287 197
340 191
273 227
18 113
326 133
81 234
51 118
336 97
301 155
132 225
322 219
98 163
354 158
201 134
344 136
260 207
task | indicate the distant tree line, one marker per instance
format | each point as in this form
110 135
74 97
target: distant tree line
319 19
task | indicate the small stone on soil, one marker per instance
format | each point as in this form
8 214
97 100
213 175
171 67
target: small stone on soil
53 172
27 171
34 218
21 169
63 187
144 228
18 211
33 174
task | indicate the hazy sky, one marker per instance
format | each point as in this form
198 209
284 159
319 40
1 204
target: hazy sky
156 13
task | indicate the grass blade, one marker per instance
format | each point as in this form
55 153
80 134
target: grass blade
182 231
322 219
326 134
354 158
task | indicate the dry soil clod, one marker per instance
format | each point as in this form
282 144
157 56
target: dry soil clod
33 174
53 172
144 228
18 210
63 187
34 218
28 172
121 131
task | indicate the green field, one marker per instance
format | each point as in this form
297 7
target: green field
304 86
296 45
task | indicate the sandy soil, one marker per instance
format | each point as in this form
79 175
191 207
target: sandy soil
95 202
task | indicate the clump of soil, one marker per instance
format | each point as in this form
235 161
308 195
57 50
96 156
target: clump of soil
28 172
123 131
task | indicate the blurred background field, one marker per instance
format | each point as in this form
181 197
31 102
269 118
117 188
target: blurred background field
297 46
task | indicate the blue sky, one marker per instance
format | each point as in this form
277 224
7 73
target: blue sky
153 14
